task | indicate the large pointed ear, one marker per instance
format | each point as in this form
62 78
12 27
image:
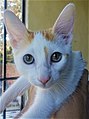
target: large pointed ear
15 28
65 22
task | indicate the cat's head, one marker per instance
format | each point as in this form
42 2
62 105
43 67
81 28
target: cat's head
41 56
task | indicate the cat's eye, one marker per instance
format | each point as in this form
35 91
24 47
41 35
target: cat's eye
56 57
28 59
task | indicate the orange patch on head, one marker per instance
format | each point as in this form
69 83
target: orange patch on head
30 36
46 51
48 34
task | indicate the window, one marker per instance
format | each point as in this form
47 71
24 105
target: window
8 72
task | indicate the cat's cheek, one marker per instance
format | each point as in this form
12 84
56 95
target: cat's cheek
18 66
31 75
35 82
56 69
22 68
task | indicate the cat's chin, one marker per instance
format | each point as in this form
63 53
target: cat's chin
42 86
46 86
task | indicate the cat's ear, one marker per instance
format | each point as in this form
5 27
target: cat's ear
65 22
15 28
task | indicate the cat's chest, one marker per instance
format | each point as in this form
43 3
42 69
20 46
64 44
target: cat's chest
55 96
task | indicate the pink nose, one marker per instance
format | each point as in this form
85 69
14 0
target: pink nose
44 80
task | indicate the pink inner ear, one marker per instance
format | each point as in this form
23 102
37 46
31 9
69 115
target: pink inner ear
65 21
15 28
64 27
13 43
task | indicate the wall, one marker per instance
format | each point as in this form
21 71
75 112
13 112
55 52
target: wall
88 36
41 14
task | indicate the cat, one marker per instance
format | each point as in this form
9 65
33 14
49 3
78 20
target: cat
45 60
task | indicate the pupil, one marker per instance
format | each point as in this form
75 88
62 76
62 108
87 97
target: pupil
28 58
56 56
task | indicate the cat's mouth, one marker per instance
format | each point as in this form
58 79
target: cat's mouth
46 85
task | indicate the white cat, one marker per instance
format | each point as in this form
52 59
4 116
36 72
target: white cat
44 59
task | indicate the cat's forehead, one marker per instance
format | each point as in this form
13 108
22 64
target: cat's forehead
41 40
45 41
47 34
38 41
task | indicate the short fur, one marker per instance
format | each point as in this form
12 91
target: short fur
54 82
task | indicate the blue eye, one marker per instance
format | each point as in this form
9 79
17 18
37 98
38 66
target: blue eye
28 59
56 57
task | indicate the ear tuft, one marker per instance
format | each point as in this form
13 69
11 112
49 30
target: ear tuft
65 21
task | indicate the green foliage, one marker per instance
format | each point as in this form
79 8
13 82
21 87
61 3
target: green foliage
9 55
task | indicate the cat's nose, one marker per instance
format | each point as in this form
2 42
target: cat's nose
44 80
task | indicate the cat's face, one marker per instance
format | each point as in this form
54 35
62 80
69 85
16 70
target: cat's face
41 56
42 60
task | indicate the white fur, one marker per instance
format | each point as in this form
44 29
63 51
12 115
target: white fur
47 101
20 85
42 66
64 75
